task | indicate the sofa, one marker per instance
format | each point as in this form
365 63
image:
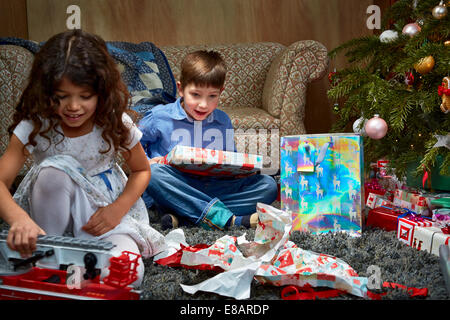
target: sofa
264 94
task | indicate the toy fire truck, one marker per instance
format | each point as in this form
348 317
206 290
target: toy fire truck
64 268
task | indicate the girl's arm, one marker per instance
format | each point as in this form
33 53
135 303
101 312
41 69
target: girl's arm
23 230
107 218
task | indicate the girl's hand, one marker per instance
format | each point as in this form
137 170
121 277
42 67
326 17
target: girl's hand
22 236
103 220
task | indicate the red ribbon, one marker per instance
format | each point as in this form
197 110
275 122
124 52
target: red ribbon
413 292
307 292
446 230
443 90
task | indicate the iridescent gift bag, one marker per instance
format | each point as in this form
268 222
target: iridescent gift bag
322 182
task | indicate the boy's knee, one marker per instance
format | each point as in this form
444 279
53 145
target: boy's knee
271 189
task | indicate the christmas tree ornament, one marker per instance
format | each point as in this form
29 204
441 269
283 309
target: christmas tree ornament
409 78
447 43
330 76
411 29
440 11
376 128
336 108
444 92
388 36
424 65
358 126
442 141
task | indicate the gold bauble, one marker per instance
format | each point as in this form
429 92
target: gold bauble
445 105
447 43
424 65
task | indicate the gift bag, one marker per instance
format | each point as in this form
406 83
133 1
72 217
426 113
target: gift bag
321 182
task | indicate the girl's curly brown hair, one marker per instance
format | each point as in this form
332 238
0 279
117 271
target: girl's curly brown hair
82 58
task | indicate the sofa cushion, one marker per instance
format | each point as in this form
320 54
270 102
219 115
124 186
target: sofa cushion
251 118
248 64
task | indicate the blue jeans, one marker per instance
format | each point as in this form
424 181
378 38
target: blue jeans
207 201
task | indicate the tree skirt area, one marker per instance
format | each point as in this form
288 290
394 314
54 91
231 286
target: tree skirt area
397 262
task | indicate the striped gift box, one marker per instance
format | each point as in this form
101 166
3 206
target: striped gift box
406 227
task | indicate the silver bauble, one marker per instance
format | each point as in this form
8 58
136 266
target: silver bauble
440 11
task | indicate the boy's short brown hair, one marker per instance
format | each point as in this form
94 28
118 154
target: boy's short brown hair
203 68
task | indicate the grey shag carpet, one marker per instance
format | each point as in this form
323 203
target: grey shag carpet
398 263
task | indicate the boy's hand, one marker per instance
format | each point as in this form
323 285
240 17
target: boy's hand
22 236
156 160
102 221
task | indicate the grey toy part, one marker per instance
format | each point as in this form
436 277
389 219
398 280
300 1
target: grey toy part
444 257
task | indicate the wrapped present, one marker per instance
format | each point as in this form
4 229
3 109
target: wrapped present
441 217
373 187
211 162
385 217
429 239
376 200
322 182
407 224
415 201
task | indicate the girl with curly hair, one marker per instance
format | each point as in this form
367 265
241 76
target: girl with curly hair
72 120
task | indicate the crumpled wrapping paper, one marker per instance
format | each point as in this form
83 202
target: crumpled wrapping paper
270 259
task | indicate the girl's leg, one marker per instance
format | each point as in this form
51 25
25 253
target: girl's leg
125 242
51 200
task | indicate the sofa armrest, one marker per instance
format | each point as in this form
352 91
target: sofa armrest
284 94
15 67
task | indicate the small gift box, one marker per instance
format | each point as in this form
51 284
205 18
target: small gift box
385 217
211 162
376 200
412 200
407 224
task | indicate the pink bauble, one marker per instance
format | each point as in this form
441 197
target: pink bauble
376 128
411 29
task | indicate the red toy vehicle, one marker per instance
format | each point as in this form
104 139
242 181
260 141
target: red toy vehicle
68 268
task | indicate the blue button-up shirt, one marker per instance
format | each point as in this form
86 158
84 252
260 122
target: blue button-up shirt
166 126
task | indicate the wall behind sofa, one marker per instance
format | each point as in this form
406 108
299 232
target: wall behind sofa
180 22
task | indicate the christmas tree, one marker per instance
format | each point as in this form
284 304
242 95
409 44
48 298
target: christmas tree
402 75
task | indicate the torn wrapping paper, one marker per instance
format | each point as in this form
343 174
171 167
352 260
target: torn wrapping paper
270 259
295 266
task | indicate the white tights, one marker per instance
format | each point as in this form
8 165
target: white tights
57 204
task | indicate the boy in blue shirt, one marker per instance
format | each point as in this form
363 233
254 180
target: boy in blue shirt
194 120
